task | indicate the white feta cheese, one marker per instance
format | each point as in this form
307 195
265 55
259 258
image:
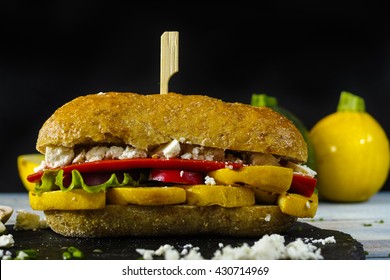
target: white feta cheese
6 241
21 255
267 218
146 254
80 157
40 167
168 252
186 156
5 255
301 169
193 254
114 152
131 152
209 181
28 221
268 247
195 152
323 241
58 156
96 154
298 250
170 150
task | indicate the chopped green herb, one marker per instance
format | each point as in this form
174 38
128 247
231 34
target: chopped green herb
367 225
317 220
29 254
72 253
66 255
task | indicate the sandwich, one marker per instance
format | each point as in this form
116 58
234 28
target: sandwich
128 164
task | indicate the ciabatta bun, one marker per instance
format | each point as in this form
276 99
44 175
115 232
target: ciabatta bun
136 220
145 121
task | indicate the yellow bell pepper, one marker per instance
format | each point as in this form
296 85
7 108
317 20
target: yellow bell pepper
146 195
298 205
225 196
267 178
77 199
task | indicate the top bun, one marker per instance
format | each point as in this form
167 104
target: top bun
144 121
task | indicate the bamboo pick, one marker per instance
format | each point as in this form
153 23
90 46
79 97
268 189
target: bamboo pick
169 58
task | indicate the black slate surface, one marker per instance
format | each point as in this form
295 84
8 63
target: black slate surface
50 245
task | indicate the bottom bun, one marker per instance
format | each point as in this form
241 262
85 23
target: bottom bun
134 220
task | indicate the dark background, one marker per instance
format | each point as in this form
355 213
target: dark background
304 54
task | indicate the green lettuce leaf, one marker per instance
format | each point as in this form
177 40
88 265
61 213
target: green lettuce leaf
53 180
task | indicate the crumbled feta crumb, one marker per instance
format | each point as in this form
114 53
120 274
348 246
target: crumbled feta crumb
21 255
6 241
269 247
307 204
40 167
323 241
96 154
58 156
301 169
131 152
267 218
209 181
193 254
170 150
80 157
114 152
168 251
146 254
29 221
186 156
5 255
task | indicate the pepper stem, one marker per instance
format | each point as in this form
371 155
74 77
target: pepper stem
350 103
263 100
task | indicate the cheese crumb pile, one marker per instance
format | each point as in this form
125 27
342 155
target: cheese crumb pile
269 247
26 220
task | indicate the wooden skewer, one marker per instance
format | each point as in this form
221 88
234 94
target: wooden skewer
169 58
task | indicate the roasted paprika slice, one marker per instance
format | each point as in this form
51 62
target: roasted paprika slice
176 176
303 185
202 166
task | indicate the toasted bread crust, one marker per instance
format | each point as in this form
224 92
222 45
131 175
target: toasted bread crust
143 121
135 220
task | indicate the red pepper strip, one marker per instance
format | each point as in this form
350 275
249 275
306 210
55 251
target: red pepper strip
176 176
303 185
202 166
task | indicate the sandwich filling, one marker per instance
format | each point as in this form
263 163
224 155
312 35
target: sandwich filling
177 172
